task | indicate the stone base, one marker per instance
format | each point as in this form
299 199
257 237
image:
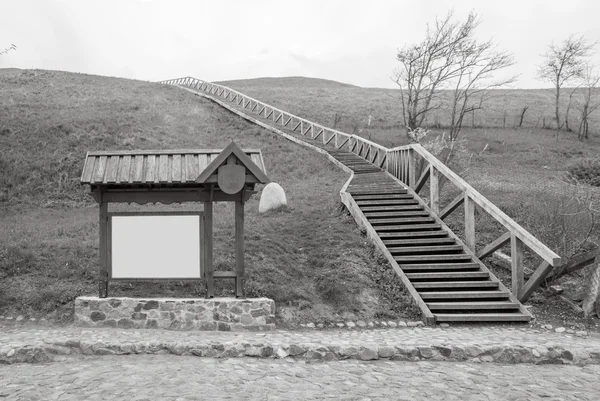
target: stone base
222 314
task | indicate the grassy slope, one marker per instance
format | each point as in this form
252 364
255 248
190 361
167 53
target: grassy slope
309 256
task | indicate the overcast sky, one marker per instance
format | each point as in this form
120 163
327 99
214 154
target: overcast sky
348 41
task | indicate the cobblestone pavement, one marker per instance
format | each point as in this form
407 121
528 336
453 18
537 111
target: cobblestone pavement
168 377
476 344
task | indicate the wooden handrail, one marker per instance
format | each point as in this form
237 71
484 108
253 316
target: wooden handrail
536 245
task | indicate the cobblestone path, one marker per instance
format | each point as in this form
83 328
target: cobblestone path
168 377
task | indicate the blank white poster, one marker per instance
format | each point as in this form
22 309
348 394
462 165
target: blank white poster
155 247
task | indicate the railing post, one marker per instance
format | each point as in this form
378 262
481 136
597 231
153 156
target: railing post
469 222
412 177
434 191
516 253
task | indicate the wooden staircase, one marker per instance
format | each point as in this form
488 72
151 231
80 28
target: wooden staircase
444 275
452 282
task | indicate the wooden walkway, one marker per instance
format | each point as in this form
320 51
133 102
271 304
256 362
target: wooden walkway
444 276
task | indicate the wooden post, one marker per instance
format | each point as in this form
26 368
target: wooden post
208 254
516 253
239 248
412 166
103 268
434 194
469 222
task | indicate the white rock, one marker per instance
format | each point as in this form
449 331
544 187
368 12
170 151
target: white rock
272 197
560 329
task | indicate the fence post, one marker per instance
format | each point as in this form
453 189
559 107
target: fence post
516 253
412 173
434 194
469 222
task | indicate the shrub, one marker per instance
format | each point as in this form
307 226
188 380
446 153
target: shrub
586 171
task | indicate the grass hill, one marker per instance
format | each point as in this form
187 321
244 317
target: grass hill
309 257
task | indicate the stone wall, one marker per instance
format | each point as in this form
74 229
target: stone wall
222 314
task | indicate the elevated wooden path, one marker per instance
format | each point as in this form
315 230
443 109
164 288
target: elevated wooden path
445 275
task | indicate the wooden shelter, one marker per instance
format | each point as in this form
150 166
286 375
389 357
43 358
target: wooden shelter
176 176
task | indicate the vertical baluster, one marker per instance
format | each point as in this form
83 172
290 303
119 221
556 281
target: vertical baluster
411 168
434 194
516 253
469 222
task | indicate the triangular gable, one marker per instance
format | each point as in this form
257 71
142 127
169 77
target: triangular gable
242 157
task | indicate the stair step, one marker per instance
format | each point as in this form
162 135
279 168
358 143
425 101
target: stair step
387 202
424 249
481 317
419 241
415 234
432 258
455 284
447 275
402 220
409 227
391 208
410 213
476 305
381 196
464 295
447 267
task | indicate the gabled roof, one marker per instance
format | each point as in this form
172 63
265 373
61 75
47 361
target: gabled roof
246 161
139 167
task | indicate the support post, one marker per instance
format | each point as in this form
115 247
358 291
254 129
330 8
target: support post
103 234
469 222
208 254
434 192
239 249
516 253
411 169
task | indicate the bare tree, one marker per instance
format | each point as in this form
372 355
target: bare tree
449 58
590 102
12 47
562 64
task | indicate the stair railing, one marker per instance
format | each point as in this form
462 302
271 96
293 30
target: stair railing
403 163
370 151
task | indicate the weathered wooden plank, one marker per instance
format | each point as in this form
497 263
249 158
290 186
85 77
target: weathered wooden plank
208 253
202 163
239 248
163 168
100 169
191 167
112 167
137 174
429 249
464 295
516 254
422 179
150 168
176 175
88 169
482 317
455 284
494 245
125 169
475 305
448 275
434 191
432 258
452 206
469 222
535 280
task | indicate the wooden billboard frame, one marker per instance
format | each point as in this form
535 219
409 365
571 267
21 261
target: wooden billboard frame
205 189
201 245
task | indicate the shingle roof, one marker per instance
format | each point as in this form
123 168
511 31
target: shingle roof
152 166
